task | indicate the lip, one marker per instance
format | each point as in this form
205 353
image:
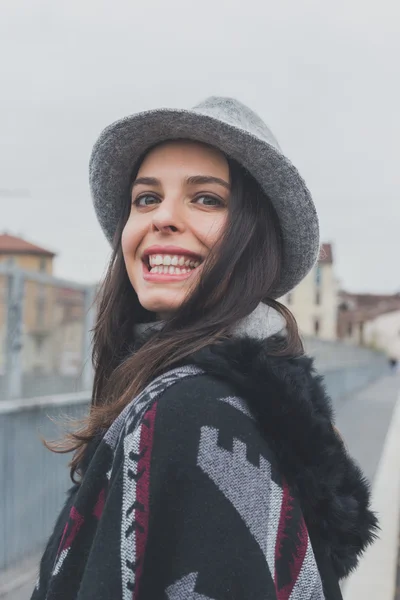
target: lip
170 250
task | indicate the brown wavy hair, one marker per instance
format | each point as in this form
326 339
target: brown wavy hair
236 276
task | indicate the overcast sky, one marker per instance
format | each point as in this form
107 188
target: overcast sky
325 76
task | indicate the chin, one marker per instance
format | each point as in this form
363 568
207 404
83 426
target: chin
162 303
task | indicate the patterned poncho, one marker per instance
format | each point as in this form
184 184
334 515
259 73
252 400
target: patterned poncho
186 497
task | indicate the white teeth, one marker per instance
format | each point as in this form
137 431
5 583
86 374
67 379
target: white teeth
166 260
171 270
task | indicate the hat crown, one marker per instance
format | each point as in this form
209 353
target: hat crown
239 115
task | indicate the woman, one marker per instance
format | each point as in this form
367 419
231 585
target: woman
209 466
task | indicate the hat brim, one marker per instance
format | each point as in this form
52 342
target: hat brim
123 143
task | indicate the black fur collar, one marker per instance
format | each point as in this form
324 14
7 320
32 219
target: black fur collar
292 406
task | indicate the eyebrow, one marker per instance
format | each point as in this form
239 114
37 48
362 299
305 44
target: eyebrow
193 180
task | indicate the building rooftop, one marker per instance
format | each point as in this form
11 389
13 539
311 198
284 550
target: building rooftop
326 254
10 244
358 308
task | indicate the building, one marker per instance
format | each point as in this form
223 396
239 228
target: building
314 301
370 320
68 332
38 307
20 253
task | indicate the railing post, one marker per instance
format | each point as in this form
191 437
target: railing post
14 341
90 315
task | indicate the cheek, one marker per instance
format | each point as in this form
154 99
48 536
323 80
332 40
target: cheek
209 231
130 240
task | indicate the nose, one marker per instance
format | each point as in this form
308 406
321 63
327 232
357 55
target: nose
167 218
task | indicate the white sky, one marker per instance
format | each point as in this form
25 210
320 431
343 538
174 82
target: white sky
325 76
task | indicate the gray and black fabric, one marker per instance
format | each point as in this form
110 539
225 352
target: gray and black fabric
223 480
165 473
236 130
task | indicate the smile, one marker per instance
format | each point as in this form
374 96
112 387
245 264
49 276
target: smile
175 264
169 267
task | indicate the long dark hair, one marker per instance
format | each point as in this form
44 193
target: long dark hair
236 276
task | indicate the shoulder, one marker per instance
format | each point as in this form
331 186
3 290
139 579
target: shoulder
201 397
201 417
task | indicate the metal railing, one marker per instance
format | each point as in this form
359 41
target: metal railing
33 480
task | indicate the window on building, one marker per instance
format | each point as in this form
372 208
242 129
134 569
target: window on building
350 329
361 332
317 325
318 297
43 264
39 343
40 312
318 276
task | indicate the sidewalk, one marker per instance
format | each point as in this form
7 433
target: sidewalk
375 413
363 420
18 583
21 593
397 595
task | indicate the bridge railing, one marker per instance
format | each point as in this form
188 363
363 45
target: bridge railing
33 480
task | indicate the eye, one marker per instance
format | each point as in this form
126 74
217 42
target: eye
209 201
146 200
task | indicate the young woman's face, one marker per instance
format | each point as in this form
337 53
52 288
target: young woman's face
179 210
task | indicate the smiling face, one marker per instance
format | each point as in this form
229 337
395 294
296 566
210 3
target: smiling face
179 209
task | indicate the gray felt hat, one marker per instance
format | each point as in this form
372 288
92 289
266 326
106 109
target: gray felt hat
239 133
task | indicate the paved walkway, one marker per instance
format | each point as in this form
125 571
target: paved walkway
363 420
375 442
18 584
22 593
397 595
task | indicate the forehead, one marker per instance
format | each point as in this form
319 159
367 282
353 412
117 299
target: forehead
184 156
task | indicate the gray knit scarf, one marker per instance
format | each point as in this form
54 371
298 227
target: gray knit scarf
263 322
